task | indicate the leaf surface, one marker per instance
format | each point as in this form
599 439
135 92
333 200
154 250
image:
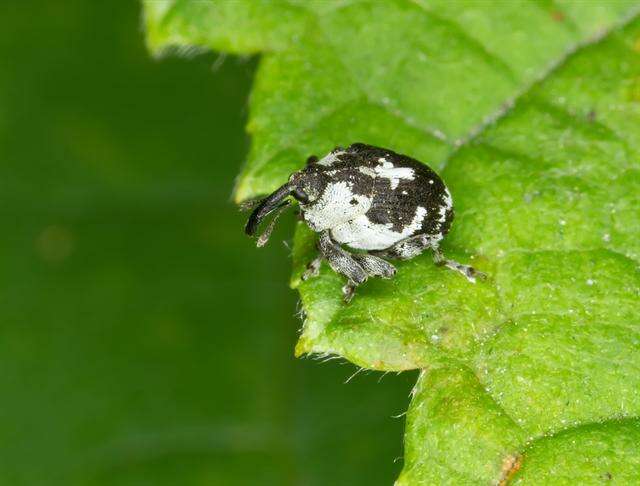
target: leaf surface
531 110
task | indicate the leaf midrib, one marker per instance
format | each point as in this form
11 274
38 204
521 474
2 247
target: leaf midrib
434 133
554 66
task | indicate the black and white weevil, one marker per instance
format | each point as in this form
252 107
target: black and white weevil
367 198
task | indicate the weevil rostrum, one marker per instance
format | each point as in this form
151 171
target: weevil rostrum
382 204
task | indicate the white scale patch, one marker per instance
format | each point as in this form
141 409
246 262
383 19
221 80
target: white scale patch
335 207
448 204
330 158
367 171
348 222
394 174
362 234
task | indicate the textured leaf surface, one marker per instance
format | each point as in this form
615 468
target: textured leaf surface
542 360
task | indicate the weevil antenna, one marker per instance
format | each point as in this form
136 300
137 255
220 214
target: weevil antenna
264 236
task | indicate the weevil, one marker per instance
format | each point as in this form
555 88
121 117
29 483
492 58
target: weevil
380 203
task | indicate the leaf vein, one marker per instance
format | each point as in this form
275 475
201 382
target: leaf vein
554 66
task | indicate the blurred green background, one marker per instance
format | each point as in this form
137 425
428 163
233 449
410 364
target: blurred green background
143 338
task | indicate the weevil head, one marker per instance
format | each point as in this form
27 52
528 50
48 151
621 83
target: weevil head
308 185
305 186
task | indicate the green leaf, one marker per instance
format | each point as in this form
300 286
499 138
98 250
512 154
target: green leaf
531 110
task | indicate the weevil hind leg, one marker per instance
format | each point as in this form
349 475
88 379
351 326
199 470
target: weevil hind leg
407 248
468 271
415 245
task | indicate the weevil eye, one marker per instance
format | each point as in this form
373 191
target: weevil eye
300 195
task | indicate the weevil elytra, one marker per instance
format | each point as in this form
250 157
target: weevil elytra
387 205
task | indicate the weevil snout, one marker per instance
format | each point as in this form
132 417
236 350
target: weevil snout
305 186
268 205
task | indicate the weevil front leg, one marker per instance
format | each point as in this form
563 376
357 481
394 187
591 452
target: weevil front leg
342 262
313 268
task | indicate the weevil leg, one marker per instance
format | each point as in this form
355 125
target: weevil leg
313 268
469 272
374 266
349 290
407 248
342 262
347 264
415 245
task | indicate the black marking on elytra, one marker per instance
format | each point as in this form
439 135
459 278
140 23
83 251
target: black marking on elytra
398 205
